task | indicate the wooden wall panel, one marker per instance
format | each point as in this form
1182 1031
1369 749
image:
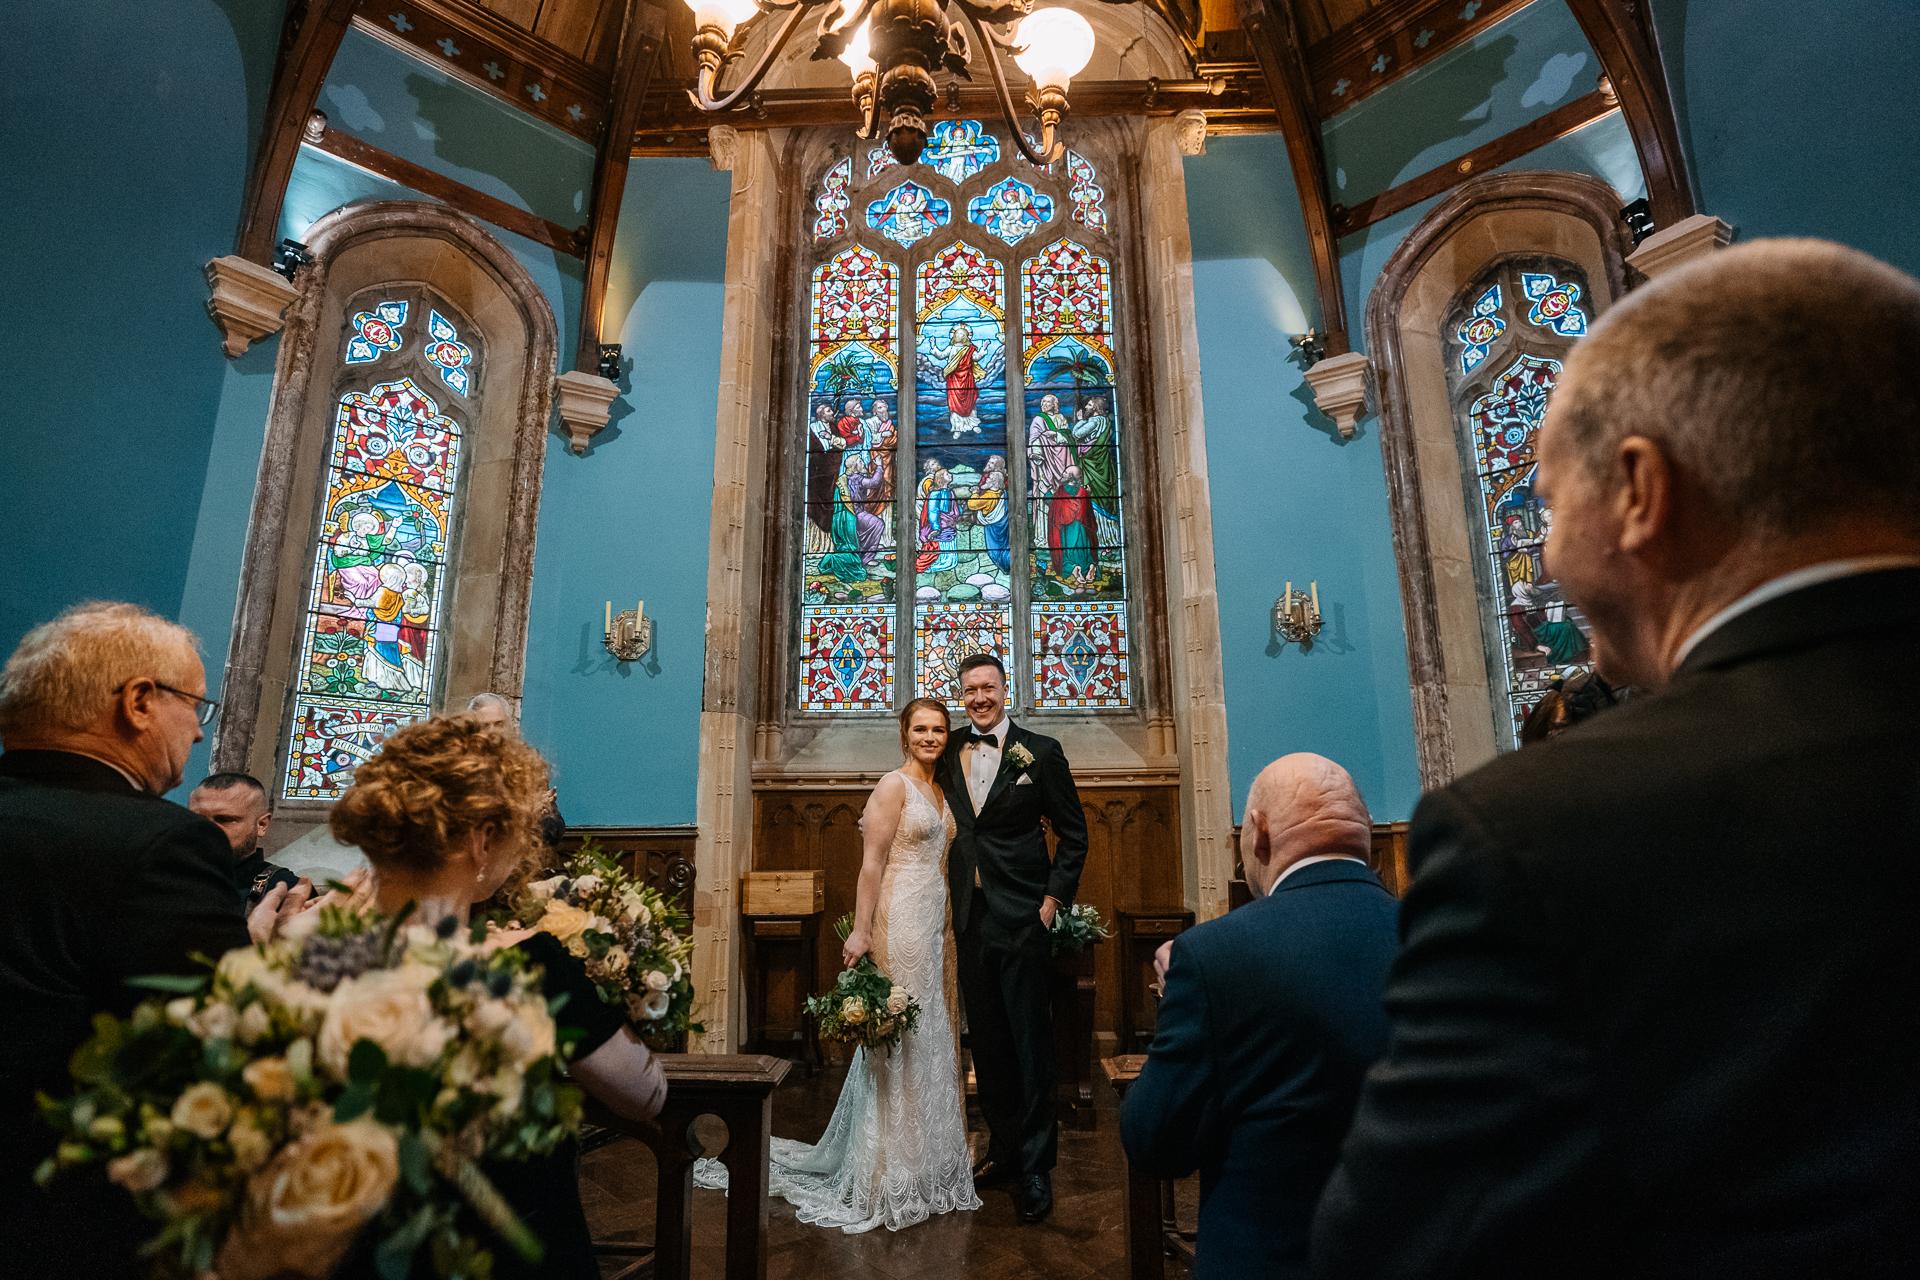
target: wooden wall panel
1133 861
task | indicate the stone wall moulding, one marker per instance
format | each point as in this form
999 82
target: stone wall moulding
586 402
1342 388
1679 244
247 301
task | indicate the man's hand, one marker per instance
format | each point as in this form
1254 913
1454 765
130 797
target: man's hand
1049 907
278 906
1162 957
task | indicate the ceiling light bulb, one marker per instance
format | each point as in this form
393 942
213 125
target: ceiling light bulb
724 14
1058 43
855 55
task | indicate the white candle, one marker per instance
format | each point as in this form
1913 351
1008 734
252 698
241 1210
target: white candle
609 617
1315 588
1287 596
639 612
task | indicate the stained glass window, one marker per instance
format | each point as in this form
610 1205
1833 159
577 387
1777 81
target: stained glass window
1507 334
831 206
376 332
371 645
447 353
1012 391
848 563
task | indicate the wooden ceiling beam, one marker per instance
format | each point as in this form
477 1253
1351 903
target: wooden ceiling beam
1270 30
641 33
309 37
1390 41
1620 34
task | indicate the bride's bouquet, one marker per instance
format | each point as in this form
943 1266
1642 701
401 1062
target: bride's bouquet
864 1007
638 946
348 1078
1077 928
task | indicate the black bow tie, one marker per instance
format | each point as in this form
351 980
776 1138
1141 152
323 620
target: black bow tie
983 739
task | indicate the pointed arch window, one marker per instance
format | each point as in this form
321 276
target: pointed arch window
990 518
1506 336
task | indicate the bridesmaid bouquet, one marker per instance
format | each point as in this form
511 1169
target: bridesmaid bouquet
347 1078
864 1007
1077 928
638 947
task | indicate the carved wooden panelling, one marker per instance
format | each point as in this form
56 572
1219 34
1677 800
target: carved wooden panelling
1133 861
660 856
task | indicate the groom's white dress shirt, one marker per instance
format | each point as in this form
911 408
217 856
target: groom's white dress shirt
983 765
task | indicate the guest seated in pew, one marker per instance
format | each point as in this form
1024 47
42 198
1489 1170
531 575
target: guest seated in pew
237 804
103 881
1270 1017
446 811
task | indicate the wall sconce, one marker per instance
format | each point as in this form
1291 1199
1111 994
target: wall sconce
610 361
1296 617
629 633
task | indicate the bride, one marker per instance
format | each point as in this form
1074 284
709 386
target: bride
895 1151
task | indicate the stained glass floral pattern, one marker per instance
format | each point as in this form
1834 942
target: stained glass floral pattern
1011 210
376 332
1080 655
879 160
958 149
447 353
830 206
370 648
1478 331
847 658
1554 304
908 214
1086 195
945 634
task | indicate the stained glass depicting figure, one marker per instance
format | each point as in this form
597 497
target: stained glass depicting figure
370 648
909 214
849 551
958 149
1011 210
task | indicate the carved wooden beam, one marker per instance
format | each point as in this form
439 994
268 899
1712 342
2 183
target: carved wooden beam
309 38
1621 34
1387 42
640 35
1276 44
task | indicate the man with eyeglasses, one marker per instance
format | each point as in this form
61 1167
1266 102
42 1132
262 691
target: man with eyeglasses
104 881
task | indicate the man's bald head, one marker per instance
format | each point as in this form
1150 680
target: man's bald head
1301 806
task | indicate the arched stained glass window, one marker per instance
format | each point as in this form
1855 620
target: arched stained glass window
1013 390
370 649
1506 336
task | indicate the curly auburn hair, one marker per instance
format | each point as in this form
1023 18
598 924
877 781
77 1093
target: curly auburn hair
435 781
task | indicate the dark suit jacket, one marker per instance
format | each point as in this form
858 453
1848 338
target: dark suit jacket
1656 1010
1271 1017
100 883
1004 839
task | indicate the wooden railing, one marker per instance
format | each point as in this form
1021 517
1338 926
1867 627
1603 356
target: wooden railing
739 1090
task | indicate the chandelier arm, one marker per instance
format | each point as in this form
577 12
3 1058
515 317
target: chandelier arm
703 94
1050 148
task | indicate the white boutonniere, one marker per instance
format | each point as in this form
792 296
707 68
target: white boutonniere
1019 756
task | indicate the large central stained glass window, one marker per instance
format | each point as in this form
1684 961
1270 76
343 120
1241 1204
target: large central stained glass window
962 477
372 639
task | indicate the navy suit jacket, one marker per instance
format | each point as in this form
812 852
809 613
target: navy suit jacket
1271 1017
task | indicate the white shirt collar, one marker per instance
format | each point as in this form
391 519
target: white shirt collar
1307 862
1786 584
999 731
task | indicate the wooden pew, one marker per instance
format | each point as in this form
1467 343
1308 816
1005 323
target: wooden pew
739 1090
1146 1232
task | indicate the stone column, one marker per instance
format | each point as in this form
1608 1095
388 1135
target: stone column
724 849
1200 711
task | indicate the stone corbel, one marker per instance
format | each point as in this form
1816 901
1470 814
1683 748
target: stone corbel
246 300
1190 130
723 145
586 402
1679 244
1342 386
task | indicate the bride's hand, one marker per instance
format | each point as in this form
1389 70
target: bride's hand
858 944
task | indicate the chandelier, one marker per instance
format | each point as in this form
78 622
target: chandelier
893 47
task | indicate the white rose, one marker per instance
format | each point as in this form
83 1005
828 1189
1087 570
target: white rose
853 1010
617 961
586 884
657 981
215 1022
241 966
529 1037
254 1023
178 1011
271 1079
138 1171
304 1209
897 1001
204 1109
251 1146
489 1017
656 1005
506 1087
420 937
544 889
390 1008
567 922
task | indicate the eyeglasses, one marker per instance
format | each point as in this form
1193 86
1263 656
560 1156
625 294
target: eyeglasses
205 708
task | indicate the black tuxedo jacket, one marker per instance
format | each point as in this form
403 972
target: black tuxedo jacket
1657 1011
1271 1017
1004 841
98 883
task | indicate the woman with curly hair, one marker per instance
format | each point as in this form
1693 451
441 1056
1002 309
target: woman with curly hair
446 811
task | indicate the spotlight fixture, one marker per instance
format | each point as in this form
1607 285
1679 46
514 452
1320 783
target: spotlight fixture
289 256
893 47
610 361
1638 216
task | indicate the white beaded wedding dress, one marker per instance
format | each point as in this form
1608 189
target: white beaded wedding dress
895 1151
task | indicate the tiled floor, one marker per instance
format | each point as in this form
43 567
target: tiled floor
1083 1238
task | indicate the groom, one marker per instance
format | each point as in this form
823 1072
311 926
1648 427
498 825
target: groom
1000 781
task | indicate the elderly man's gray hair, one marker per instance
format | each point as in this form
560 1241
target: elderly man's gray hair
1782 376
479 700
65 672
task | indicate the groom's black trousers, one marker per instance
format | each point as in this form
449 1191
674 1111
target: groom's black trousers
1004 979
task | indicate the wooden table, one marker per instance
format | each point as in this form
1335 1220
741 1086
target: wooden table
739 1090
1146 1240
766 933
